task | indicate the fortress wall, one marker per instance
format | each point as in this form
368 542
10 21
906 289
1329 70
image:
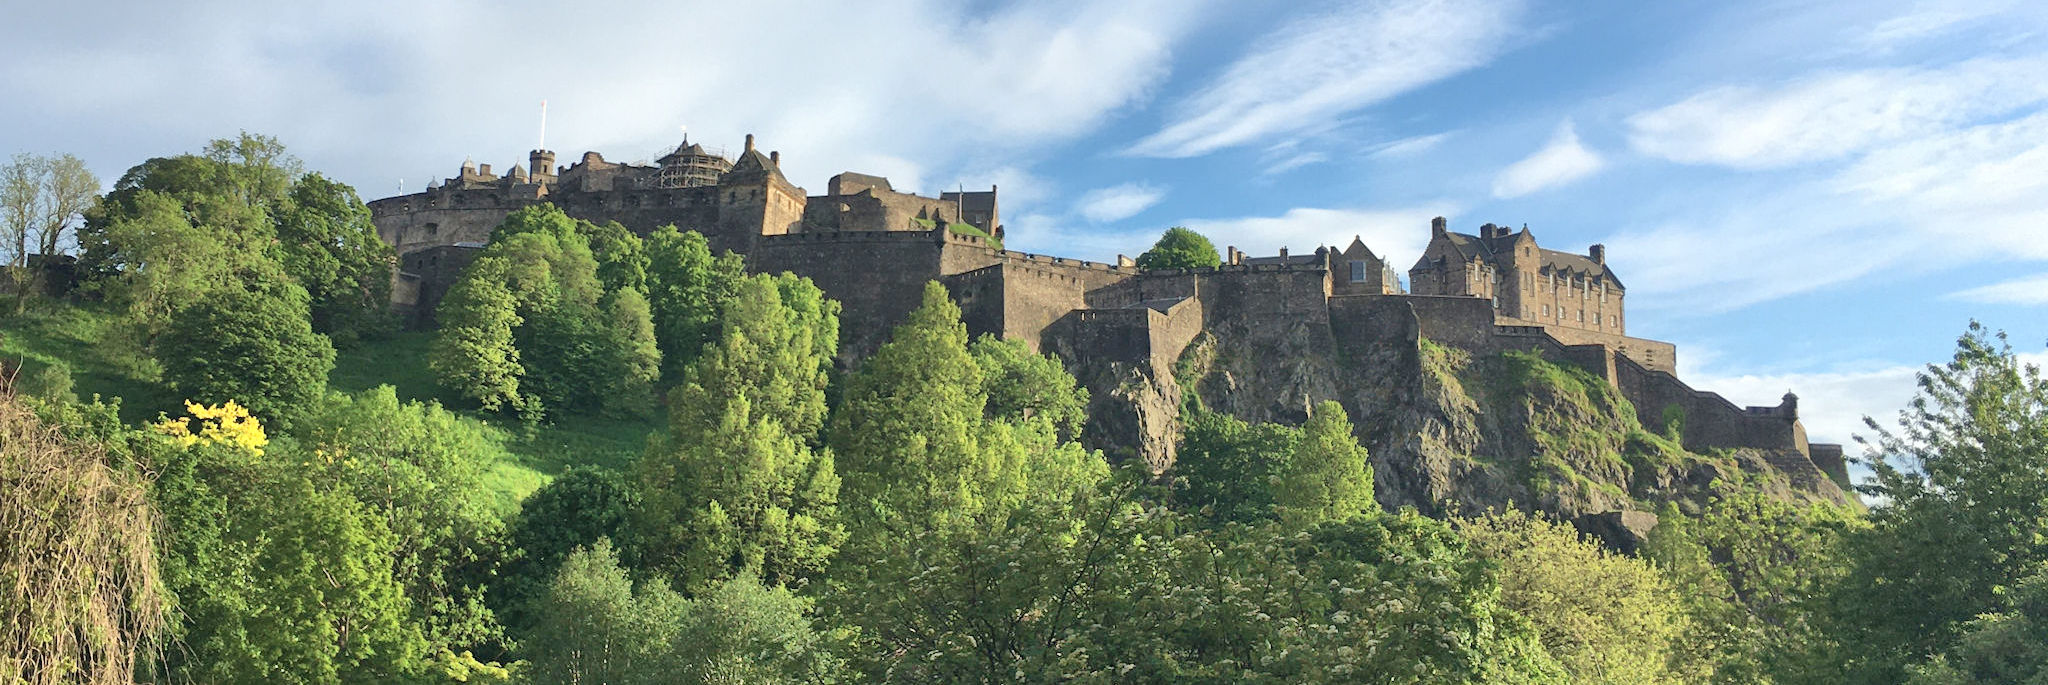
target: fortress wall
1091 336
980 294
409 224
878 277
1652 354
1711 421
433 271
1461 322
1170 331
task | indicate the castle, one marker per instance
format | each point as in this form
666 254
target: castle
1119 327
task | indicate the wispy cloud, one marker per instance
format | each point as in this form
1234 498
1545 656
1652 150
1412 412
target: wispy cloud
2031 290
1116 203
1319 67
1409 147
1561 161
1831 115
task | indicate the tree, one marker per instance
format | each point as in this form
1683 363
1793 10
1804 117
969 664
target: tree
252 345
739 631
686 290
1607 618
579 507
81 598
1020 385
1328 476
1962 512
474 353
1228 470
737 485
41 198
2006 646
906 435
635 358
148 255
596 627
1180 248
327 243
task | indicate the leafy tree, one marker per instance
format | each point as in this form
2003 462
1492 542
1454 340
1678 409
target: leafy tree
474 353
420 470
1328 476
596 627
41 198
686 290
621 255
1180 248
1607 618
253 345
906 435
739 631
150 257
635 357
1228 470
81 598
1754 572
576 509
2006 646
1020 384
736 484
1962 513
327 243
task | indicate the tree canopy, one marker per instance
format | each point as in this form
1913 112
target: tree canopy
1180 248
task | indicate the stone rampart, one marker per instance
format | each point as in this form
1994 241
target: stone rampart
1710 420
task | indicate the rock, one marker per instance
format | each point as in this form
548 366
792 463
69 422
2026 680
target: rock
1621 531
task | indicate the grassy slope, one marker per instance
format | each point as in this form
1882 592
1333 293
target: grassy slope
106 359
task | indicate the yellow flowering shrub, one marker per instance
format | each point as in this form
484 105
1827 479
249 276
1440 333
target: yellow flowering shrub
227 423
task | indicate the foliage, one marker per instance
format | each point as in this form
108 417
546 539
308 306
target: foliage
326 242
686 290
1607 618
1328 476
576 509
224 424
1228 470
1961 518
81 598
255 346
2006 646
1020 385
1180 248
738 631
737 485
530 326
1754 573
420 470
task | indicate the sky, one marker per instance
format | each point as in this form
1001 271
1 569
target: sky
1805 196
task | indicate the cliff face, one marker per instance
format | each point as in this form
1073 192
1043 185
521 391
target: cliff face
1449 432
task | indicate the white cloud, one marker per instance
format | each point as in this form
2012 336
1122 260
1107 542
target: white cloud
1409 147
1398 235
1116 203
1832 115
1561 161
370 99
1317 68
2031 290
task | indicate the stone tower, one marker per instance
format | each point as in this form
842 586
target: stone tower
754 199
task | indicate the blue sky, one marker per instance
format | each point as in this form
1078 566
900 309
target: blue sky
1814 196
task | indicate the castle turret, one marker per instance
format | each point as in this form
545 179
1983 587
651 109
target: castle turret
541 163
1598 252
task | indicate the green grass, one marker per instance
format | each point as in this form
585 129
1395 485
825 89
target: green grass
399 361
104 351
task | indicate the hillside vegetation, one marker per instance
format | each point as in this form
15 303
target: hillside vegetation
624 459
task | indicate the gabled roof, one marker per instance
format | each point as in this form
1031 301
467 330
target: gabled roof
754 161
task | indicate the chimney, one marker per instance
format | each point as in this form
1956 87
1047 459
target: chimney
1439 226
1283 254
483 169
750 142
1598 252
775 157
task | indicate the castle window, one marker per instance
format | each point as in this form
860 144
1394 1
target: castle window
1582 316
433 229
1546 310
1358 272
1613 320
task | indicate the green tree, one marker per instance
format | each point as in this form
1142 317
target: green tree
635 359
596 627
906 435
148 255
1607 618
1020 385
686 290
737 485
738 631
2006 646
253 346
1962 512
1180 248
326 242
1328 476
1228 470
576 509
474 353
419 469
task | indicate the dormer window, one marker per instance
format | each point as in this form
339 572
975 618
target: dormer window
1358 272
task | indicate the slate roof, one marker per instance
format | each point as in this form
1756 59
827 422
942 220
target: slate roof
1496 250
